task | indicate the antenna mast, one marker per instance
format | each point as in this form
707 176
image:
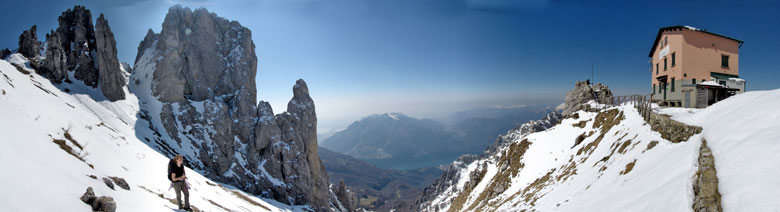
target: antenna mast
591 72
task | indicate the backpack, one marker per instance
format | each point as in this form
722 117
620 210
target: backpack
170 169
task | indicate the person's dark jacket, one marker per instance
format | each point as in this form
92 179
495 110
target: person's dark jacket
173 168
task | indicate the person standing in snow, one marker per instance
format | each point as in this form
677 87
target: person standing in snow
177 176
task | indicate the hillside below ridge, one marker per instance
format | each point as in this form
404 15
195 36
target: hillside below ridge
81 142
610 159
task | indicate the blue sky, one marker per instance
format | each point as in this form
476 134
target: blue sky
429 57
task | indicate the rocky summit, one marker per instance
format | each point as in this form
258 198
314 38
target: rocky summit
196 85
78 45
110 76
29 46
583 92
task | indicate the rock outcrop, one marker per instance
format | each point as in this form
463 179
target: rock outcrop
112 81
76 46
29 46
577 98
4 52
202 69
55 66
100 204
706 197
346 197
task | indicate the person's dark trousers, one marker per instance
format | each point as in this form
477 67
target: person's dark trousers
180 186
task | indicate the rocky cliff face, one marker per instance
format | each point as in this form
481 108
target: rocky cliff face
110 77
196 81
77 46
29 46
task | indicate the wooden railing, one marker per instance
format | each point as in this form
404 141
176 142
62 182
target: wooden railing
642 104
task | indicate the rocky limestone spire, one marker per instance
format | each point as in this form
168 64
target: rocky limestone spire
76 27
304 121
88 50
29 46
202 69
146 43
112 81
55 66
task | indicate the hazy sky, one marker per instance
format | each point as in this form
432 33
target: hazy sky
428 57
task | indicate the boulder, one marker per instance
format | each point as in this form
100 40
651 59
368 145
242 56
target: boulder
108 182
120 182
101 204
88 196
104 204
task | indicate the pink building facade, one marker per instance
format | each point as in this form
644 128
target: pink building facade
684 58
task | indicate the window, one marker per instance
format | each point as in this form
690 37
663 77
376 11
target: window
672 84
724 61
693 81
653 87
656 68
664 64
673 59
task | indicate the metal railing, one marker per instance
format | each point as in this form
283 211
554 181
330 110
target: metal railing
642 103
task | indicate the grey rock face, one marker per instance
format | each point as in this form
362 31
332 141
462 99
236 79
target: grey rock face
76 27
206 56
55 66
345 197
111 79
149 39
203 71
77 46
29 46
4 52
577 98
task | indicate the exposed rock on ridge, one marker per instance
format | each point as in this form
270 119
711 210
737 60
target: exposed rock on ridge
77 46
111 79
453 172
577 98
202 69
29 46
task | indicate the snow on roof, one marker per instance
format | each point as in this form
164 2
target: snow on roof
737 79
710 83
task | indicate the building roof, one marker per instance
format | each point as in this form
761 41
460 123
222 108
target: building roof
680 27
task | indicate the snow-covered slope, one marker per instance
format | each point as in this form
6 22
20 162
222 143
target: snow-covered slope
612 160
40 122
744 134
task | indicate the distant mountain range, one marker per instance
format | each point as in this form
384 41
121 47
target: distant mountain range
397 141
377 189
